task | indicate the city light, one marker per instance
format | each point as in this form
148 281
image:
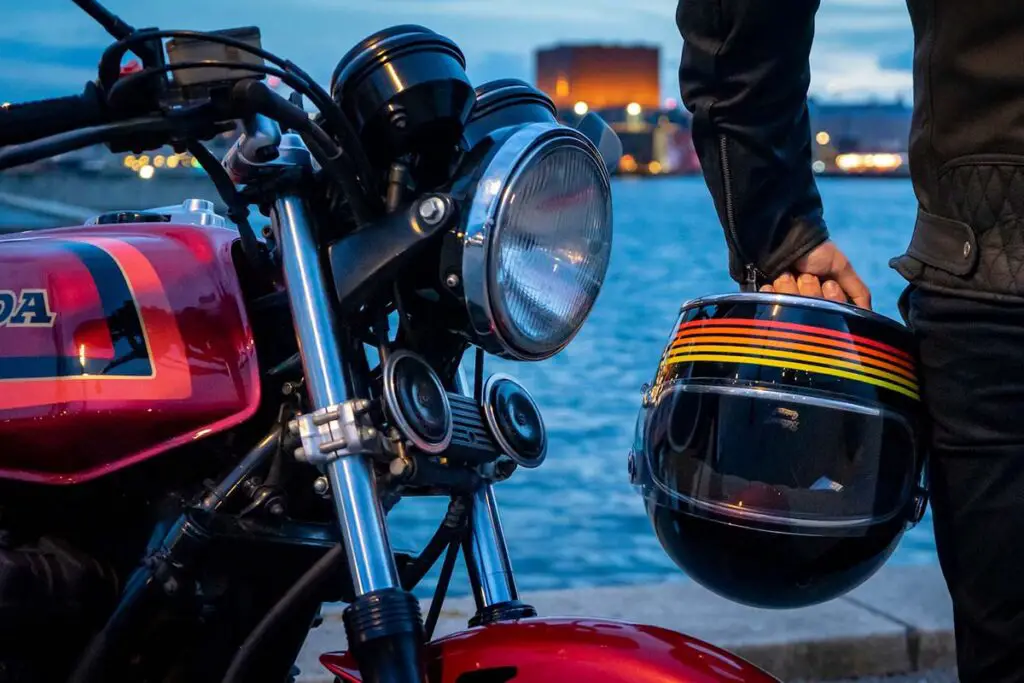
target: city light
633 109
129 162
159 161
823 138
146 172
627 163
172 162
654 167
818 166
874 162
581 108
144 159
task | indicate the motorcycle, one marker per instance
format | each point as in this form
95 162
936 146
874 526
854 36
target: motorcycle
204 428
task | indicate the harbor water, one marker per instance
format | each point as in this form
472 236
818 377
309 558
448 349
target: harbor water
575 521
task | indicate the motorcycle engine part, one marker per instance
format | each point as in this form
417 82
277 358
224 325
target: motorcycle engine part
506 102
515 421
180 50
416 403
335 432
535 241
406 91
777 449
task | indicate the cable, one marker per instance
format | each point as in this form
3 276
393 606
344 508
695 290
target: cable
238 211
331 158
441 590
302 590
68 142
110 68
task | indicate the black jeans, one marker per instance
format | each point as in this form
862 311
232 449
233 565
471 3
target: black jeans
972 365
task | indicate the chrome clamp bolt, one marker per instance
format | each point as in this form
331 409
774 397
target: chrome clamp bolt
432 210
334 432
321 486
452 281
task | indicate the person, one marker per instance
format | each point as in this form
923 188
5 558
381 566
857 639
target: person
744 76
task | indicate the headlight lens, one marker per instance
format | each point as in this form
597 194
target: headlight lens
547 243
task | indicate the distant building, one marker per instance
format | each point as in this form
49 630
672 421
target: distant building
600 76
861 138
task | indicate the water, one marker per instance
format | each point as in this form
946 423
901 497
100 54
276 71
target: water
575 521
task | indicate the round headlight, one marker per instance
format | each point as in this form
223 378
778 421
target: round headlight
537 242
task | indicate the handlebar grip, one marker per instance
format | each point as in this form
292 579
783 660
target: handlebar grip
30 121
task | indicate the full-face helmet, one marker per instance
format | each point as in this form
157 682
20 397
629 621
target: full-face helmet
777 449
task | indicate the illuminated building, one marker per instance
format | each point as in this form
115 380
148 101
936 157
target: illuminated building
600 76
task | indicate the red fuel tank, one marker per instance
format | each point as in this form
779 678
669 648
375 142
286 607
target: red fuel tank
118 343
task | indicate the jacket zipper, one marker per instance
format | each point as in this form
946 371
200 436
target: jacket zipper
752 272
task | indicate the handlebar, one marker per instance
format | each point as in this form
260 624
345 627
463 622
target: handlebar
30 121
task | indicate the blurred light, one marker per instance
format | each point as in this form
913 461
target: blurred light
159 161
671 103
172 162
562 87
627 163
273 81
195 163
878 162
581 108
633 109
818 166
146 172
129 161
5 105
823 138
144 159
654 167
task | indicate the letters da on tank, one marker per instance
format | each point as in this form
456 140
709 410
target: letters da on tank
25 308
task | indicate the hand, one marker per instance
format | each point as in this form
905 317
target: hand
826 273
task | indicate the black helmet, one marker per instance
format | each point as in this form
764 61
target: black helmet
777 450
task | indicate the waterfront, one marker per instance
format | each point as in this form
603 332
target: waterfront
575 522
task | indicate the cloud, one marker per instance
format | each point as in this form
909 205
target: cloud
860 45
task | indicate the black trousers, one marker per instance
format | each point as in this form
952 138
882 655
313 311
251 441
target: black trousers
972 356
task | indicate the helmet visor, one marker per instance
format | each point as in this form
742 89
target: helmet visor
773 459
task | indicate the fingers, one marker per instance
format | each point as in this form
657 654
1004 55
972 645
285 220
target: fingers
854 287
833 292
786 284
809 285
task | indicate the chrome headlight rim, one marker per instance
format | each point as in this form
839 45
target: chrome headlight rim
509 161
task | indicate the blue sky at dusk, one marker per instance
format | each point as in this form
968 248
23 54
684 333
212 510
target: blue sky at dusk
49 47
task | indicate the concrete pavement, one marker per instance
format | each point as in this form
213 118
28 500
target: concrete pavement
899 622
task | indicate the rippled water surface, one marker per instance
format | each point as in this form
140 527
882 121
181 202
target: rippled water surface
575 521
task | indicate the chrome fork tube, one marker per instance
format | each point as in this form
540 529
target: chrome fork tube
352 481
487 558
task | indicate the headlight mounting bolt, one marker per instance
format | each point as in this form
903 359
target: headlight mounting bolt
452 281
432 210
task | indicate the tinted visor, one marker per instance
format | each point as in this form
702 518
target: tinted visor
768 458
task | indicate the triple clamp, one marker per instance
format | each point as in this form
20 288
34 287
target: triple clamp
335 432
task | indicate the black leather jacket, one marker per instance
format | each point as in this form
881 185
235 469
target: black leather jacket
744 75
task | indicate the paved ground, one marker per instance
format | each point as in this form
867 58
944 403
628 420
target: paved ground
940 676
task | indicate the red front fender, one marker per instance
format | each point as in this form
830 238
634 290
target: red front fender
571 651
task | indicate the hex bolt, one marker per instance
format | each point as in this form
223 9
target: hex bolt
452 281
321 486
432 210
